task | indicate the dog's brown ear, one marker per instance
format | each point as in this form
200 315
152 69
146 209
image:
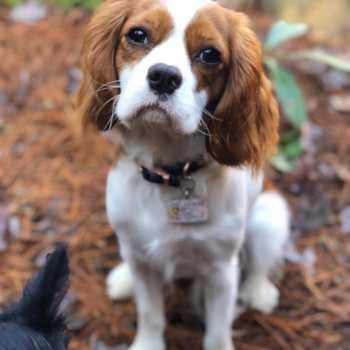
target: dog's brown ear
245 129
96 94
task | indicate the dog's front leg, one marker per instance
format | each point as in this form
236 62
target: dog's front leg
150 306
220 292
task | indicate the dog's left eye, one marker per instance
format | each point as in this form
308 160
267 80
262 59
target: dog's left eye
210 56
137 36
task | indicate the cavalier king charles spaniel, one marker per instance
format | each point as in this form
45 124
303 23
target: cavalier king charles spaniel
180 83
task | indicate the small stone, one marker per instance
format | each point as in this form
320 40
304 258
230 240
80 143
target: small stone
14 227
345 220
29 12
48 104
295 188
75 76
309 261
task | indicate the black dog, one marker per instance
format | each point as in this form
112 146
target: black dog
34 323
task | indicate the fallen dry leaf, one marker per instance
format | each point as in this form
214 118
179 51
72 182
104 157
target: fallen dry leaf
340 103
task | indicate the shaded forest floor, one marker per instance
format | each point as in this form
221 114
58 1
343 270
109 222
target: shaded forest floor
52 188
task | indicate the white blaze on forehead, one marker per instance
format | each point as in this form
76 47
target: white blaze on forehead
173 50
183 11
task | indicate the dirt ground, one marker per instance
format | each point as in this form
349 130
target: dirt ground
52 187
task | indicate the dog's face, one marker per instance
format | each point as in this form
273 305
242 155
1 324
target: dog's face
172 67
175 65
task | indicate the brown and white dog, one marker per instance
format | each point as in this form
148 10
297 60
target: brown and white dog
181 83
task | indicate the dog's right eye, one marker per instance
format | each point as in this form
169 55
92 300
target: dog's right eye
137 36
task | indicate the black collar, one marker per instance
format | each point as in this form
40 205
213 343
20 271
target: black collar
171 175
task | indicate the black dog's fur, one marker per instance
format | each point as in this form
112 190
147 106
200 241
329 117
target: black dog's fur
34 323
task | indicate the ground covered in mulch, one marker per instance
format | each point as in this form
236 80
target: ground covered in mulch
52 187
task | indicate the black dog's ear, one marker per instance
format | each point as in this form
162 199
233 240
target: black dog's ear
39 306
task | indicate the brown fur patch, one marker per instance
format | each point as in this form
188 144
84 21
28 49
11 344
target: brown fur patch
268 186
245 131
208 30
158 25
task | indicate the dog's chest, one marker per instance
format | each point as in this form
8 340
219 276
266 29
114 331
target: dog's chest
138 211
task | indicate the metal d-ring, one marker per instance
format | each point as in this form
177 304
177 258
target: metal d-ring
187 185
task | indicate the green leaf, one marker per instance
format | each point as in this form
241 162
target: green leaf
279 277
320 56
89 5
293 149
290 135
13 3
288 93
66 4
281 163
283 31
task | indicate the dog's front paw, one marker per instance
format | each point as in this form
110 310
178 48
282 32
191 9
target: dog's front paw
147 343
216 343
119 283
260 294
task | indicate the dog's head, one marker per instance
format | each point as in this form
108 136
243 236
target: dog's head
176 64
34 322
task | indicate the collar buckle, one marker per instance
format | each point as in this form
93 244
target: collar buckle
166 177
173 176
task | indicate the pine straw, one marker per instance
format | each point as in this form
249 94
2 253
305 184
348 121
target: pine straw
54 180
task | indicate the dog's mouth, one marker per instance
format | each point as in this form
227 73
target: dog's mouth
157 121
156 117
152 112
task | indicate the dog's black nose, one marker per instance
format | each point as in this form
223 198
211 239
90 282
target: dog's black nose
164 79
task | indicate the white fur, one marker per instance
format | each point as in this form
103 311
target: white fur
156 251
259 293
137 211
267 233
119 283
